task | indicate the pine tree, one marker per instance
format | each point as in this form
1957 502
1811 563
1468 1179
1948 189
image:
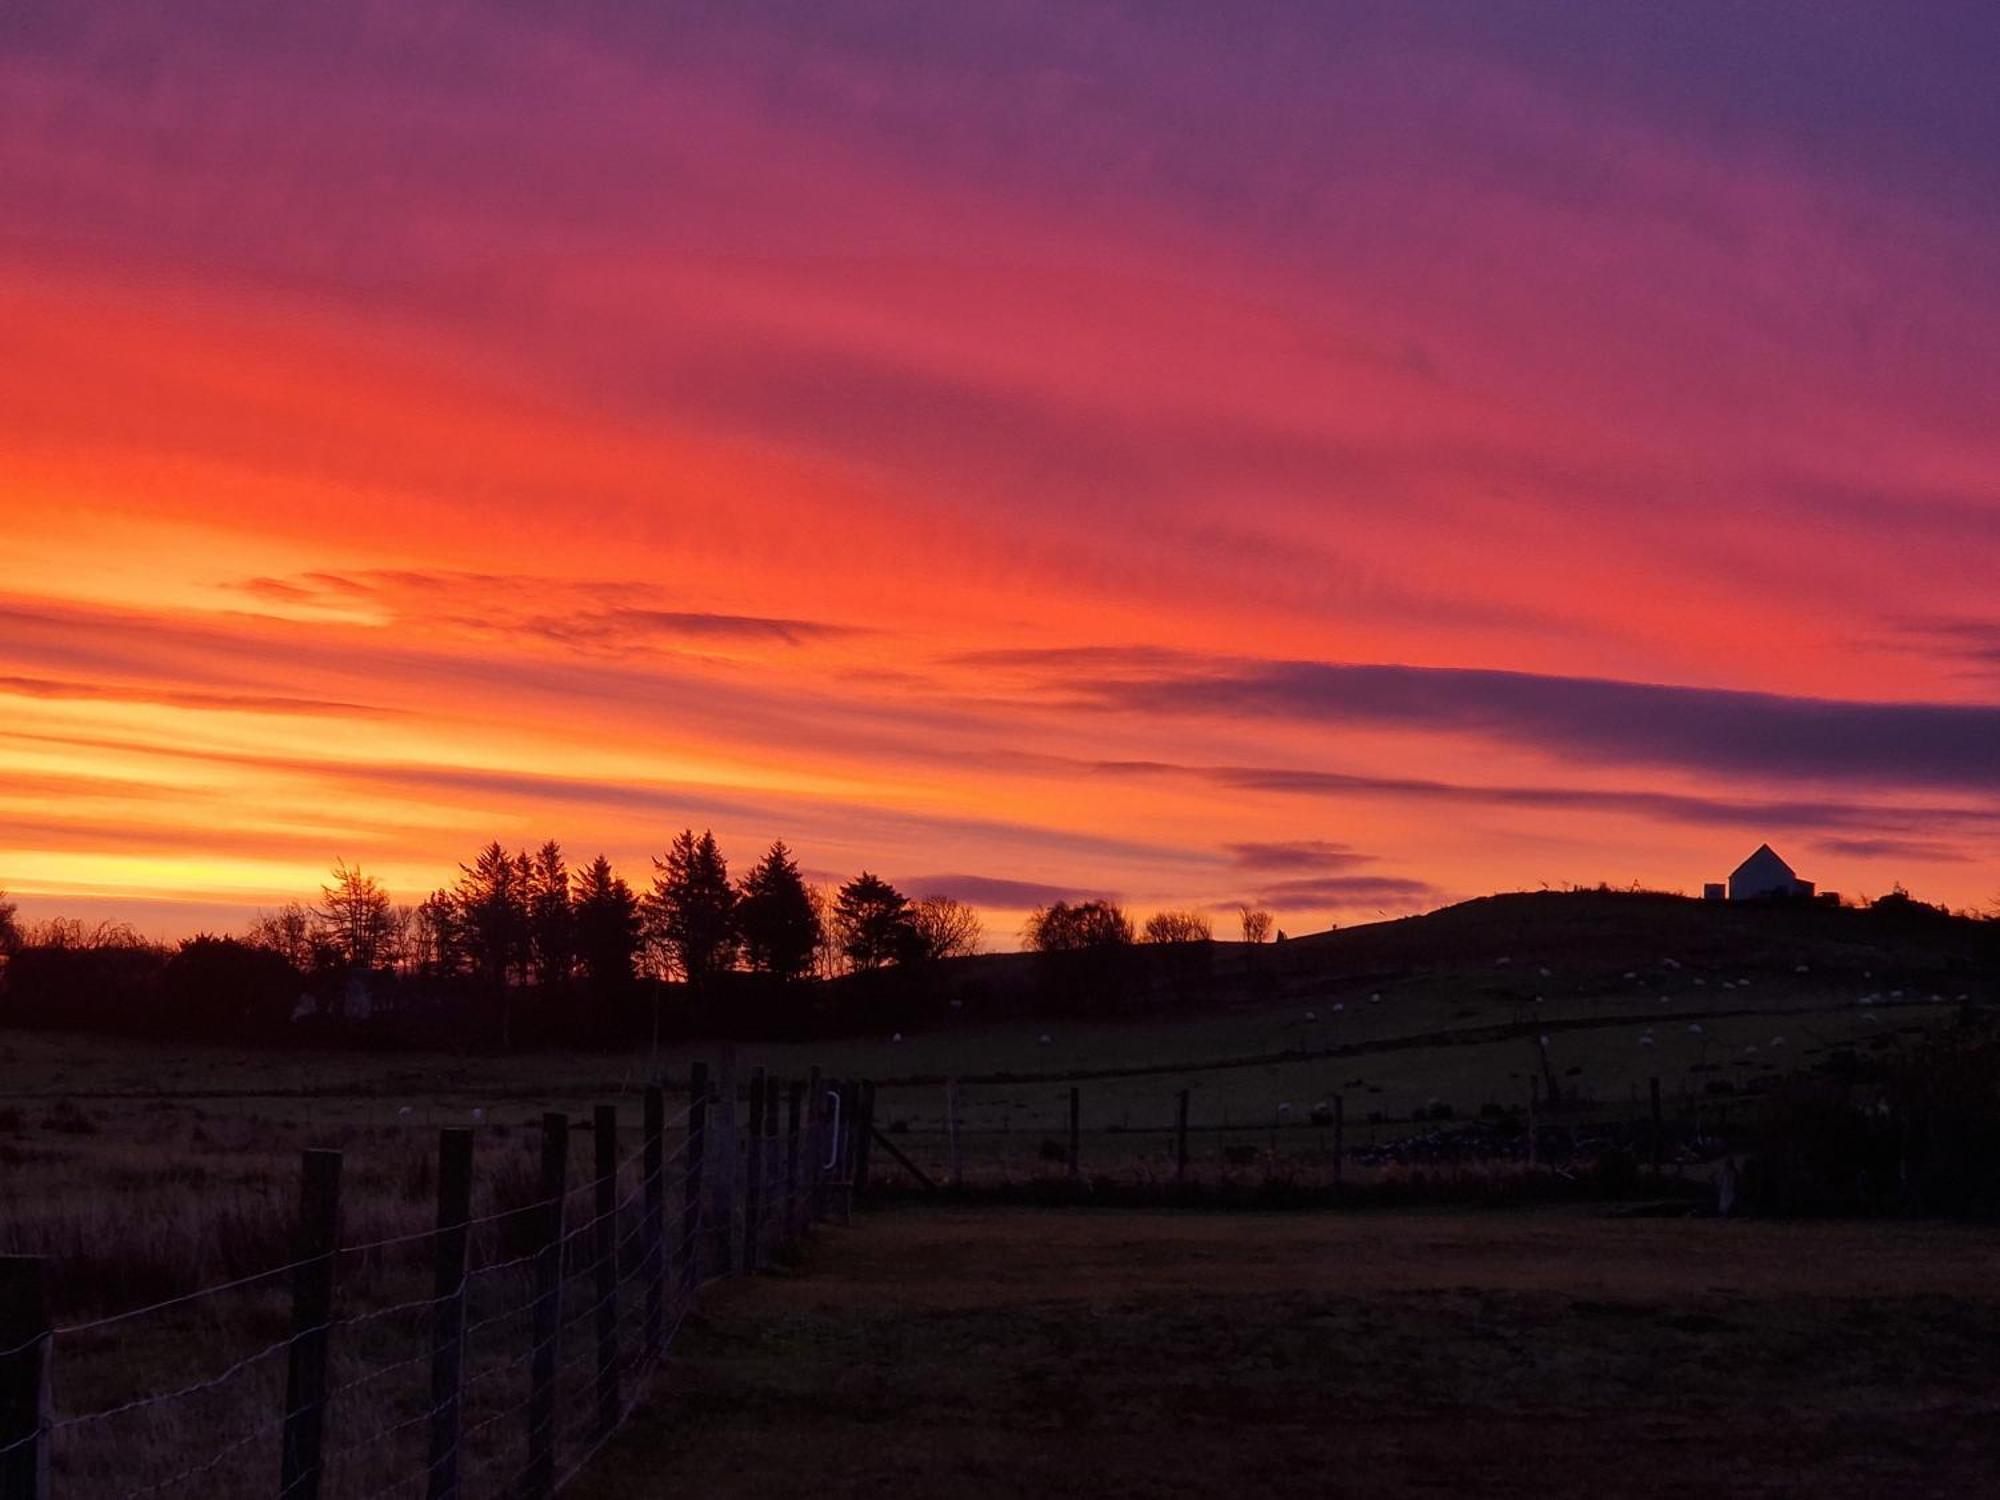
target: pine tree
691 910
777 918
873 920
551 919
606 927
491 899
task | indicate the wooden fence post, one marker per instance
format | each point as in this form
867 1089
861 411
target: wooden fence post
652 1235
540 1477
25 1369
864 1129
694 1149
1075 1131
725 1168
844 1148
815 1144
1655 1088
448 1324
1180 1138
312 1310
794 1101
604 1141
753 1173
774 1236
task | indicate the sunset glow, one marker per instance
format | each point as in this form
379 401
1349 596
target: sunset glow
1190 453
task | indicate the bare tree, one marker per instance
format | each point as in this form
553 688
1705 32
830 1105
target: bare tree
1256 924
357 920
287 932
946 927
10 928
1178 927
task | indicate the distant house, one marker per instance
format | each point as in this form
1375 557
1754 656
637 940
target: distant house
1760 877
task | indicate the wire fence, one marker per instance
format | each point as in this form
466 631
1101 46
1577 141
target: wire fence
493 1354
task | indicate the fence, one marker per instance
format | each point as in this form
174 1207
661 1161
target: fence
1145 1132
493 1353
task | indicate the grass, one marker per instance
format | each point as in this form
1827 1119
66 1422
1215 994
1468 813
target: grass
993 1352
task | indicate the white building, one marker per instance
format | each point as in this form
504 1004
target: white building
1761 876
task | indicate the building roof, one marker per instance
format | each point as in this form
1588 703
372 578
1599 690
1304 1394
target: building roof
1765 862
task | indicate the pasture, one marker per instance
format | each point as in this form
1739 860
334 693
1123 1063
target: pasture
979 1352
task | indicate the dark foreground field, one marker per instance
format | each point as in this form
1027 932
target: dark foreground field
987 1352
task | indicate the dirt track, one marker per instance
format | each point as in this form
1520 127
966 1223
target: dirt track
968 1352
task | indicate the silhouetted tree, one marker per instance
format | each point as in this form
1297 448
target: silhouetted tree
1061 927
606 927
551 920
827 957
10 927
872 918
1178 927
946 927
287 932
219 987
356 920
436 943
691 910
1256 924
776 916
490 902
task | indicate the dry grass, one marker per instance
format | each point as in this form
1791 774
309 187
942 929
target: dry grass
1552 1354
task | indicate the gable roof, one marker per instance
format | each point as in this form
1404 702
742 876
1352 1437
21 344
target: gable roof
1764 862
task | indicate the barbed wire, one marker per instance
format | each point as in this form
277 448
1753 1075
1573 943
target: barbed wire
647 1270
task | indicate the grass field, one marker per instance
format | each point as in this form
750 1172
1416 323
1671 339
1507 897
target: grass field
1556 1353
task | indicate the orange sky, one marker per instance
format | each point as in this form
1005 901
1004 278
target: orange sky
1346 464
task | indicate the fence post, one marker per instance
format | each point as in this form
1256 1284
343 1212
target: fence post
1655 1088
691 1184
1075 1116
1339 1142
448 1325
795 1099
25 1404
1180 1137
815 1146
540 1476
652 1236
864 1128
725 1174
604 1140
312 1309
775 1236
753 1173
848 1109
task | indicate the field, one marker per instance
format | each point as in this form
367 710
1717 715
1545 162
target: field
147 1170
992 1352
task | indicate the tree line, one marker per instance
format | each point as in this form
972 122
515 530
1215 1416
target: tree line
524 947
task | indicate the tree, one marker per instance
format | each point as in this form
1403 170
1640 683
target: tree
776 916
1064 928
219 987
551 919
606 927
356 920
436 942
289 933
946 927
872 918
490 926
827 957
1178 927
691 910
1256 924
10 927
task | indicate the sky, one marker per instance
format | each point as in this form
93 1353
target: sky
1341 458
